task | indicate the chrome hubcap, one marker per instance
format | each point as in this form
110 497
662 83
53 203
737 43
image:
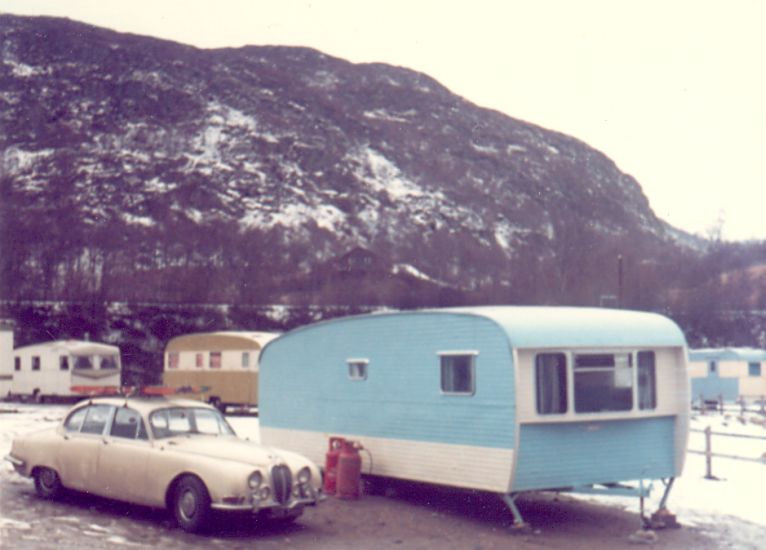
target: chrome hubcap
187 504
48 478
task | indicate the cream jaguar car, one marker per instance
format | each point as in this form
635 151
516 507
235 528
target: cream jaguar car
176 454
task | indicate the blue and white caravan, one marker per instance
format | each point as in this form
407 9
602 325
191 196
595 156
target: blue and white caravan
502 399
727 374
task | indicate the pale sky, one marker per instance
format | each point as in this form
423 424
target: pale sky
674 91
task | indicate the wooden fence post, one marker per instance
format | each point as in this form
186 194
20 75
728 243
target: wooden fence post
708 454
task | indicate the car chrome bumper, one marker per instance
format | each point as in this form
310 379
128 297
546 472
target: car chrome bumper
257 506
18 464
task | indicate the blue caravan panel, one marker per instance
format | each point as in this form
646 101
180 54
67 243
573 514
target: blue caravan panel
560 455
713 387
401 398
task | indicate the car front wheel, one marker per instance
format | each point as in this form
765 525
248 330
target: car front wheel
47 483
191 504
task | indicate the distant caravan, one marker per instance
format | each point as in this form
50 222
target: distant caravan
225 364
49 371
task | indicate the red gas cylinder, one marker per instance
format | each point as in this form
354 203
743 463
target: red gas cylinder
349 470
331 465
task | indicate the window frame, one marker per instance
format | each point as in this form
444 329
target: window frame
636 364
593 370
565 370
364 365
472 356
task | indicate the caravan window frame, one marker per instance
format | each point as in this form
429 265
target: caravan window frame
358 369
640 362
448 384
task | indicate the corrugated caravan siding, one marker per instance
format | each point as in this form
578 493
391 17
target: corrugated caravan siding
567 454
305 383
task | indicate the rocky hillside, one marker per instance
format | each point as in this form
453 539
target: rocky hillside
136 168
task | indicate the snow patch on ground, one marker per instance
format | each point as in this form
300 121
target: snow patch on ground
729 509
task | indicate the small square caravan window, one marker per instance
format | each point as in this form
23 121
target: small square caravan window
458 373
357 369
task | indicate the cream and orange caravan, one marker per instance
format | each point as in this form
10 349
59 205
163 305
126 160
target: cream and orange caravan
223 364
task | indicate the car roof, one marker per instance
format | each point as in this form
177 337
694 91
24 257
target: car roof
145 405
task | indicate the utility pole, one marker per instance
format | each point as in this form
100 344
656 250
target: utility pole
619 281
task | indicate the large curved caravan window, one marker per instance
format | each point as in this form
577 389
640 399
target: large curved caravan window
458 372
647 381
551 377
603 382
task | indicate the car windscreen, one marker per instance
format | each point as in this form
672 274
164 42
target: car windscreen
177 421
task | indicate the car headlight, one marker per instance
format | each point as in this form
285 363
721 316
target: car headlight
304 475
255 480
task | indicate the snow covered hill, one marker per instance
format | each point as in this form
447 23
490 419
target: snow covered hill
121 153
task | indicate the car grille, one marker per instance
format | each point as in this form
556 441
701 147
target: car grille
282 480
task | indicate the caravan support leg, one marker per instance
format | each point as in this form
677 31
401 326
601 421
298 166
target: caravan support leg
518 521
662 518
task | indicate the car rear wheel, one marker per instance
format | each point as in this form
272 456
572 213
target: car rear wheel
47 483
191 504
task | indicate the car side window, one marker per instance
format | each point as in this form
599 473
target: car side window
96 419
74 422
128 424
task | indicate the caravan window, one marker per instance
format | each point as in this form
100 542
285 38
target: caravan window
36 362
215 359
245 359
63 362
17 363
753 369
198 361
647 380
108 362
603 382
357 369
551 378
83 362
458 373
173 360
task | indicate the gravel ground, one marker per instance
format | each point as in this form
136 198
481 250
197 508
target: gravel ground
400 515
